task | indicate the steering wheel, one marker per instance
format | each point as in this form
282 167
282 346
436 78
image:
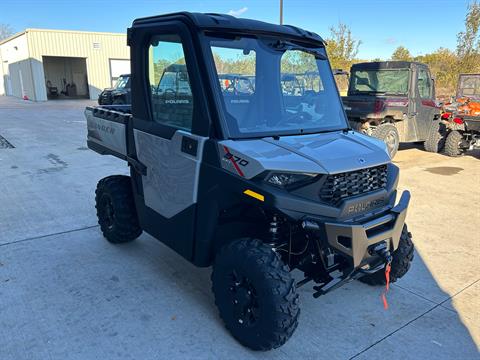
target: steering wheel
298 117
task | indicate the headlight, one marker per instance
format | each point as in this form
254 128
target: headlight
287 179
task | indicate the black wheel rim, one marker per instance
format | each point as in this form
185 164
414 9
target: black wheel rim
244 299
108 211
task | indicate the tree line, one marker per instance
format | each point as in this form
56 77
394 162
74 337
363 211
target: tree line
445 64
342 48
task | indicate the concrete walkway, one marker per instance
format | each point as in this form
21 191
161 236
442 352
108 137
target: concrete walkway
65 293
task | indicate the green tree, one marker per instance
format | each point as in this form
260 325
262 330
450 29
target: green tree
443 64
468 41
401 53
5 31
342 47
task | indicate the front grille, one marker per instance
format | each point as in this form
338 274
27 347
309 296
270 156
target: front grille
339 187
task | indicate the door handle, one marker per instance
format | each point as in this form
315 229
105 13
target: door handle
189 146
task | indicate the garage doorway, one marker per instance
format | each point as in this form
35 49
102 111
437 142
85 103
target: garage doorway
65 77
118 67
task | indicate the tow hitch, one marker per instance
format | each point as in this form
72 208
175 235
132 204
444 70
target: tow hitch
382 251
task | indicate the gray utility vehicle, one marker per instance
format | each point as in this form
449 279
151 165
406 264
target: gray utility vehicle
119 95
393 101
244 182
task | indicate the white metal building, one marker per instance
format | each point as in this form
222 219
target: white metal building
43 64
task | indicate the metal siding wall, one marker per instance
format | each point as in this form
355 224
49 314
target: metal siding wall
80 44
3 78
14 54
21 74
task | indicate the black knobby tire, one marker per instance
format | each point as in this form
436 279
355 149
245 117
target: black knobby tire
388 133
436 138
255 294
452 144
402 258
116 211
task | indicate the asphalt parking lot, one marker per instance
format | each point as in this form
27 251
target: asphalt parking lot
65 293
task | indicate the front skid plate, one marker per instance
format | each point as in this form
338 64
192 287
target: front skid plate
360 241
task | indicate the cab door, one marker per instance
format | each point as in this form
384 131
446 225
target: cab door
167 135
425 106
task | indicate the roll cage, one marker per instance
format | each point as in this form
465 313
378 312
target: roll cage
193 28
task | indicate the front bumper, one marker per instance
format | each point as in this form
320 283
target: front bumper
354 240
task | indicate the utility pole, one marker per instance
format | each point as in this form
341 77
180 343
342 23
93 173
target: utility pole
281 12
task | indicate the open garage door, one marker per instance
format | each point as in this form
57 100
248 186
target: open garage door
118 67
65 77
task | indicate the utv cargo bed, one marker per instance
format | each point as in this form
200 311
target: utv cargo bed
107 128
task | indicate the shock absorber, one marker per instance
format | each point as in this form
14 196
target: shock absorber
273 230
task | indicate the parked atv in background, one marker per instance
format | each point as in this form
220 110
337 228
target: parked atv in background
255 184
393 101
292 85
119 95
236 84
464 135
459 129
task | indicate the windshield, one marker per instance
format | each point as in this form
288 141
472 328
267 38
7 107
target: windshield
388 81
122 82
469 86
271 88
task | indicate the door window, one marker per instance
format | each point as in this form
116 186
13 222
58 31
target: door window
424 84
171 95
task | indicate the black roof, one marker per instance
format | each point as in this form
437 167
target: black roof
374 65
228 23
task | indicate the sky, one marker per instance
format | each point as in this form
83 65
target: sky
420 25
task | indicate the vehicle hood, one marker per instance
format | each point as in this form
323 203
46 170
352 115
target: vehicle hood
327 153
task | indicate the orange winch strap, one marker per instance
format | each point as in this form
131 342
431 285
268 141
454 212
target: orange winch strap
387 286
